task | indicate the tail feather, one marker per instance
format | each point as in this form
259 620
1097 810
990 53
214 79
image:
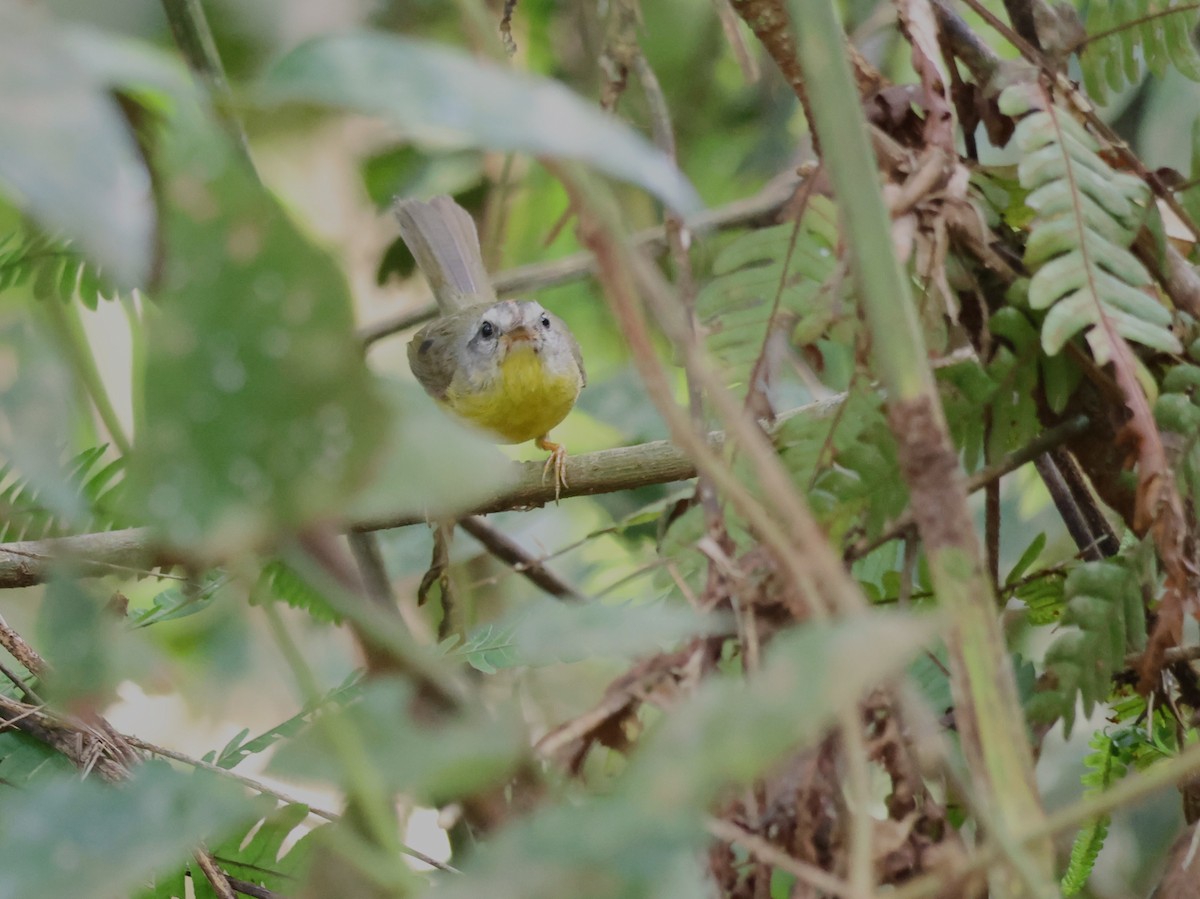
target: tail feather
443 240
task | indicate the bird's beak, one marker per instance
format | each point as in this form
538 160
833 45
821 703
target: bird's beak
518 334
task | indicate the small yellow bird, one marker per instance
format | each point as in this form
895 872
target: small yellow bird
507 366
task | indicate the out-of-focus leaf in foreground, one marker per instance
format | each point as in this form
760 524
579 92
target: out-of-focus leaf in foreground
432 764
444 97
261 415
431 464
66 152
107 840
643 839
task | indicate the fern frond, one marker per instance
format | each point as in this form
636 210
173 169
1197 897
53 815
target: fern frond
1177 413
792 261
1102 621
279 581
1105 765
1124 34
56 269
239 747
94 484
1087 215
255 854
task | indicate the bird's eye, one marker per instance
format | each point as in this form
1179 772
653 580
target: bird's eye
545 321
486 330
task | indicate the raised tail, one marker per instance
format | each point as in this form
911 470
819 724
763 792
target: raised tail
443 240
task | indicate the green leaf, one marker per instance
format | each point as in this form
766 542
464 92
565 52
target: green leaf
433 466
1106 764
255 854
83 642
261 416
548 631
434 765
73 837
1027 559
1103 620
66 152
733 729
1087 215
444 97
1136 32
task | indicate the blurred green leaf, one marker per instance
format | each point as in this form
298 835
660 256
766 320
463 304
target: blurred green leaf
442 96
36 406
432 465
261 414
548 631
66 151
433 764
73 837
85 644
732 729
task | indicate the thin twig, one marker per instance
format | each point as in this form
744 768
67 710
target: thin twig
510 553
213 873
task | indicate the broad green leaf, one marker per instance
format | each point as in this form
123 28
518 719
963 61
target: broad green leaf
733 728
441 96
432 465
261 415
36 404
66 152
432 764
73 837
85 643
550 631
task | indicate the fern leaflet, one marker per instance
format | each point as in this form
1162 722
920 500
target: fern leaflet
1106 764
1087 215
1124 33
55 269
1103 620
93 483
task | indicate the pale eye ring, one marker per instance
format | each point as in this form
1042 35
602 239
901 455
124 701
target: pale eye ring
546 321
486 330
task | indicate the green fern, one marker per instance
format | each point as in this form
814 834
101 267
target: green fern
1087 215
1105 766
1102 621
55 269
735 306
254 853
95 483
239 747
1130 32
487 648
1177 412
279 581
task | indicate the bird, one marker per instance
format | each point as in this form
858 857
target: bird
509 367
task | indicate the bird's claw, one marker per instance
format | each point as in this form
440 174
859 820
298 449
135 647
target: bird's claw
556 463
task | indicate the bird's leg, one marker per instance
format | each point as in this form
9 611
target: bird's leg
557 462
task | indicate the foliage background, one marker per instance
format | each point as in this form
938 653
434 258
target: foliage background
207 656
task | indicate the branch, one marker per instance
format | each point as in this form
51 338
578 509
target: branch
740 213
30 562
511 553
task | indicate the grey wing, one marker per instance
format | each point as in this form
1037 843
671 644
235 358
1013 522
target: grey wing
443 240
432 356
576 352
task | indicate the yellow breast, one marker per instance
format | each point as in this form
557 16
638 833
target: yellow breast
523 402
